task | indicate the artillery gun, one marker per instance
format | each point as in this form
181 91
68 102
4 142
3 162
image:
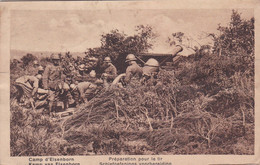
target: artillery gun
166 60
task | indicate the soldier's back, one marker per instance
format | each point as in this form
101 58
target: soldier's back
135 70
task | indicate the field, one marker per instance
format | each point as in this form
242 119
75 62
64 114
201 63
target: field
204 106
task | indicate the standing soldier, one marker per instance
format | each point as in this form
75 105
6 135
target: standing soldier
110 72
133 70
53 80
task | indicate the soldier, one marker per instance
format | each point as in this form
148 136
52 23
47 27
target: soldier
80 75
40 73
110 72
91 64
53 79
86 90
34 69
150 70
40 70
42 94
133 70
69 71
78 60
35 63
92 76
76 77
70 79
27 85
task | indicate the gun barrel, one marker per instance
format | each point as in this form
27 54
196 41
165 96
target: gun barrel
177 50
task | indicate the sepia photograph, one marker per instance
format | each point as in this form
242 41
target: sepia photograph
131 81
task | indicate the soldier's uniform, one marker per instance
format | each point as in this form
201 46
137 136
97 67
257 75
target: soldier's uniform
77 77
111 72
70 74
86 90
150 72
52 76
80 76
40 72
27 85
34 69
91 64
133 71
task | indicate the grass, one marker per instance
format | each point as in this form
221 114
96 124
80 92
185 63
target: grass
204 106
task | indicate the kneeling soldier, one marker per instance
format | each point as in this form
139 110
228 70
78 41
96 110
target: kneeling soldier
150 71
110 72
133 71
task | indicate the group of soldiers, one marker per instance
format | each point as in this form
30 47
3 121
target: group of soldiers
66 81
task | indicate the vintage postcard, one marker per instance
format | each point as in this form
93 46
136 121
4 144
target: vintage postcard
129 82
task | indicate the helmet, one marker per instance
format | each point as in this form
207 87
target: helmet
35 62
151 66
92 74
81 67
152 62
107 59
40 68
38 76
130 57
55 56
177 49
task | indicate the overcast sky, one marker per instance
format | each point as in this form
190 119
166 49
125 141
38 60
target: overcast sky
78 30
